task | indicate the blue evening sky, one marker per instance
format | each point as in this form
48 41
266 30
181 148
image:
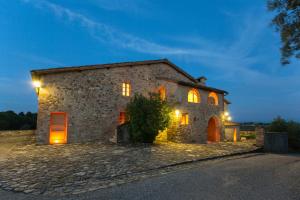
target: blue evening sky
230 42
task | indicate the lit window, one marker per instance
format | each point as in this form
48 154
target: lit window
126 89
122 118
185 119
193 96
213 98
162 93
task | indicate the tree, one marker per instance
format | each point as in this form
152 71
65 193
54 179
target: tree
287 22
278 125
147 116
293 128
9 120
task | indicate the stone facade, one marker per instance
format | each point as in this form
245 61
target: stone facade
232 133
92 98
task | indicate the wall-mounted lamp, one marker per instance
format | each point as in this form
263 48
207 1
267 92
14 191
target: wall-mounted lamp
226 116
37 85
177 113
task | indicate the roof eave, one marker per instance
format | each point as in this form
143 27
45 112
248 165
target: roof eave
40 72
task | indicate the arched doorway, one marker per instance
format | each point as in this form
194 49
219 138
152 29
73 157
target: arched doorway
213 130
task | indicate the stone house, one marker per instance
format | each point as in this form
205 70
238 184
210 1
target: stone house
87 103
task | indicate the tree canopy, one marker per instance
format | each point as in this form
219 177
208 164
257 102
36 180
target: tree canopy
9 120
147 116
287 22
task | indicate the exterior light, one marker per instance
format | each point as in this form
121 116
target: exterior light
37 84
177 113
226 116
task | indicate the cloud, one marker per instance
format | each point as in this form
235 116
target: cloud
106 33
230 57
236 56
129 6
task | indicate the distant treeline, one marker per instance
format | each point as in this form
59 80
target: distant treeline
10 120
291 127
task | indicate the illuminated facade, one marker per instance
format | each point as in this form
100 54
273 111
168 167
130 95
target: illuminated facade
87 103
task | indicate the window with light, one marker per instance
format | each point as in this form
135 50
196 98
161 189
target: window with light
162 93
184 119
213 98
126 89
193 96
122 117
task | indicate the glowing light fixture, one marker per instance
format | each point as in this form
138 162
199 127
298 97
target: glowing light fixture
226 116
37 84
177 113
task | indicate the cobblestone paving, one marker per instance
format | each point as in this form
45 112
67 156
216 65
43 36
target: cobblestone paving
76 168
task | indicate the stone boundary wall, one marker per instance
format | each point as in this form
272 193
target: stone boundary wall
18 136
259 132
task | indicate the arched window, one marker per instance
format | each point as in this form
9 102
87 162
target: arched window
193 96
162 93
213 98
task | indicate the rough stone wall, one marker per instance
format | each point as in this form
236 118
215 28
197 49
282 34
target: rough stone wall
93 100
229 133
260 133
199 115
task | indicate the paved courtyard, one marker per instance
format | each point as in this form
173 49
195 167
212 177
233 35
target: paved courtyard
59 170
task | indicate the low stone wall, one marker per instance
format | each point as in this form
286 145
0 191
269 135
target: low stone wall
276 142
18 136
259 132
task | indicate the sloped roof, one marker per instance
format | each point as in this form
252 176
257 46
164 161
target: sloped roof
40 72
227 101
194 85
229 123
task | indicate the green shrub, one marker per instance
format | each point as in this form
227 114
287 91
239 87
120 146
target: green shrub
291 127
147 116
278 125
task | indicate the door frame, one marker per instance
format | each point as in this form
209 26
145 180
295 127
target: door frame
65 126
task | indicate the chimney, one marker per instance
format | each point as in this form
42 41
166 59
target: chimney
201 80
